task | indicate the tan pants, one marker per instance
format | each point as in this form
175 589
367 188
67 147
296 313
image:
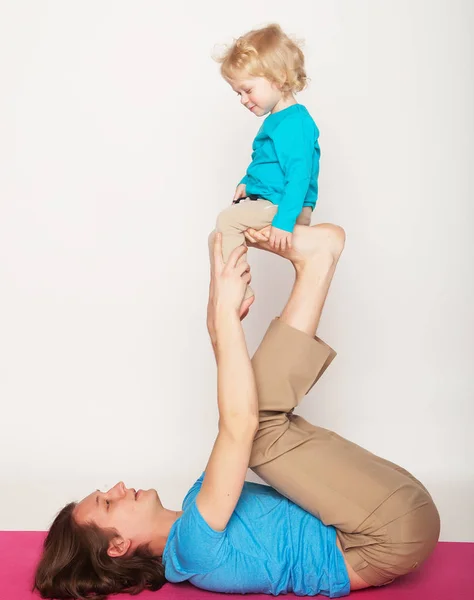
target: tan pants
385 519
234 220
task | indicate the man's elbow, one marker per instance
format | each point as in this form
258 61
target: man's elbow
240 426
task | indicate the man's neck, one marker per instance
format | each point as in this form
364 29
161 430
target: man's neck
160 536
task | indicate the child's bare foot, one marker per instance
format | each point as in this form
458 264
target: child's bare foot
309 243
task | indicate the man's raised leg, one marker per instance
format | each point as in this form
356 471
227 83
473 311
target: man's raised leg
334 479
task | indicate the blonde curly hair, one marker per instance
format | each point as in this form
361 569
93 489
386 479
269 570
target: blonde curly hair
267 52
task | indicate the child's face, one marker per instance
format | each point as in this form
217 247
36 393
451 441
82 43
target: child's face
257 94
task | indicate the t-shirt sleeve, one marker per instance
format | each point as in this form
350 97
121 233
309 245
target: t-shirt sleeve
294 145
193 492
196 547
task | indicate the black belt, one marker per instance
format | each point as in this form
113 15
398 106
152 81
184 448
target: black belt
250 197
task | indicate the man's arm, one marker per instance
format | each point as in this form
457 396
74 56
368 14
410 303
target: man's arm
237 393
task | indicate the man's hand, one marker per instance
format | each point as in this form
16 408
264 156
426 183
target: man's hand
240 192
228 283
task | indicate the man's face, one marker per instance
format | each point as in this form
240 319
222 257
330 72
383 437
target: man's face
134 515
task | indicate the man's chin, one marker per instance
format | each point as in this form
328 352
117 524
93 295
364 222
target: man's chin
154 496
150 495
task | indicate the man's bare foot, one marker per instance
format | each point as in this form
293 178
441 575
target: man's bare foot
246 304
309 243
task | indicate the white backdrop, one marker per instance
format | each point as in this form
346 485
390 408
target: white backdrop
119 144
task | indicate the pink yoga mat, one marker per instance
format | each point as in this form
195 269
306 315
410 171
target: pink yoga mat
447 575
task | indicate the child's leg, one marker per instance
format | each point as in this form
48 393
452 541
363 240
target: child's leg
387 522
305 215
234 220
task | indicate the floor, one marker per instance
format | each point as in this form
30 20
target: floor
447 575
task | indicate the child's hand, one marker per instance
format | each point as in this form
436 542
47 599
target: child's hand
280 239
240 192
255 236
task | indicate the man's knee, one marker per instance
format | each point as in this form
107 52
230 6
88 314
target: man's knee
421 528
272 426
410 538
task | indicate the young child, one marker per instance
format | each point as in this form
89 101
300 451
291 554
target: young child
266 68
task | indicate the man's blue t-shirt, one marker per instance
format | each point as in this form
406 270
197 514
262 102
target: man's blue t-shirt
270 546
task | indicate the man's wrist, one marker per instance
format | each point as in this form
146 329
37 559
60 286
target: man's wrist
211 330
225 317
226 326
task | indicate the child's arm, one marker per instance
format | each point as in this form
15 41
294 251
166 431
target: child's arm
240 192
294 147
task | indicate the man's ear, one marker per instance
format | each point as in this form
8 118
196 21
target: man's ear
118 547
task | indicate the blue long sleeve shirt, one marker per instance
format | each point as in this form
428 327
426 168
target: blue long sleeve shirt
285 164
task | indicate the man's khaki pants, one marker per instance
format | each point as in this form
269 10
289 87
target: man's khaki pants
385 519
